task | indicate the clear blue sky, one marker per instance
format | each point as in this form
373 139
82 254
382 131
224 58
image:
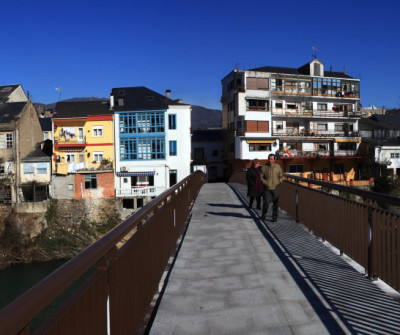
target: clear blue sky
188 46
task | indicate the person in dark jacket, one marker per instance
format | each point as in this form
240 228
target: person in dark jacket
271 177
254 185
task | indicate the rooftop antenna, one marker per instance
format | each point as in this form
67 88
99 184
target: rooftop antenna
59 89
315 51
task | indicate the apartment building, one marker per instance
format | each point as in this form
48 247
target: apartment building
83 150
152 143
307 117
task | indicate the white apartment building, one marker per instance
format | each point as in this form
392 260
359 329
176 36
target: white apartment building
307 117
152 142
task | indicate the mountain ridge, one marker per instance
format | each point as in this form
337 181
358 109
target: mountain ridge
201 117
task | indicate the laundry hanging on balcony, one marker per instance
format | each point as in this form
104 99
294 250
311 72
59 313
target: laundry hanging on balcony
68 132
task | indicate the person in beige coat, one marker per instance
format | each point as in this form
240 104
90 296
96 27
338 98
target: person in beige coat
271 176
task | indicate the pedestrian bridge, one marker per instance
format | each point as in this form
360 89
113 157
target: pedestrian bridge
232 272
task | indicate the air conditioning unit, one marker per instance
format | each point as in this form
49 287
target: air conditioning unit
123 168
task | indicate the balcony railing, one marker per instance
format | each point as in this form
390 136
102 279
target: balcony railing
71 141
147 191
310 132
313 113
316 153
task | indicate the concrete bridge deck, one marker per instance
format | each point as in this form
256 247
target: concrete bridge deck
236 274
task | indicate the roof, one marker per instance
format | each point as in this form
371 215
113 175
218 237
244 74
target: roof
207 135
11 111
6 90
141 98
36 155
373 124
45 123
392 121
298 71
81 109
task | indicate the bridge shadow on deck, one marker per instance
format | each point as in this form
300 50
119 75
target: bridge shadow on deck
330 284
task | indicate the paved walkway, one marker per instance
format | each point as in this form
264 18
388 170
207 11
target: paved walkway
236 274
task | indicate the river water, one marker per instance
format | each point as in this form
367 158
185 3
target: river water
18 278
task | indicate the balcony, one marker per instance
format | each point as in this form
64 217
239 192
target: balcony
149 191
314 113
311 132
65 142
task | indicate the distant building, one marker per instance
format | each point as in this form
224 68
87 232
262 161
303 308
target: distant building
307 117
46 125
20 133
381 143
152 143
207 150
83 150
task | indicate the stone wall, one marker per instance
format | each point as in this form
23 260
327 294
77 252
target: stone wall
4 213
70 212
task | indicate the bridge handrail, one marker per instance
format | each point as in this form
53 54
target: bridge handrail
375 196
16 316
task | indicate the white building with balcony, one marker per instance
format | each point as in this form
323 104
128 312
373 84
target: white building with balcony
307 117
152 143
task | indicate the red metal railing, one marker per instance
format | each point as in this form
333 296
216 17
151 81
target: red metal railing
128 264
368 234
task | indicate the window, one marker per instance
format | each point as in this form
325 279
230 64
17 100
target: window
2 170
28 168
98 156
260 147
6 140
172 148
322 107
70 187
257 105
346 146
121 102
257 83
9 140
339 127
142 122
97 131
322 126
279 125
317 71
296 168
90 181
70 158
322 147
41 168
142 148
257 126
172 121
394 155
279 105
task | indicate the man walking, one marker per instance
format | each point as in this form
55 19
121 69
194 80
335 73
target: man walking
271 176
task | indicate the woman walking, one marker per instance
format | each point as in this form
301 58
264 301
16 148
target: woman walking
254 185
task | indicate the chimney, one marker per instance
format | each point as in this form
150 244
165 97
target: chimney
344 69
111 101
168 94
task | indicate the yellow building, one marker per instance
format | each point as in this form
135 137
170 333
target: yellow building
83 150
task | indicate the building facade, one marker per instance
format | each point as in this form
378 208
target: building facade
83 150
20 133
152 143
307 117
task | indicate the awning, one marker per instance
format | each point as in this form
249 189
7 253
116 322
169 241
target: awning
348 141
135 174
261 141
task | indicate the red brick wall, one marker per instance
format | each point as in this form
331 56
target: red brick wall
105 186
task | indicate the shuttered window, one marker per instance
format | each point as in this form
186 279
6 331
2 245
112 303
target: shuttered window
257 83
257 126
